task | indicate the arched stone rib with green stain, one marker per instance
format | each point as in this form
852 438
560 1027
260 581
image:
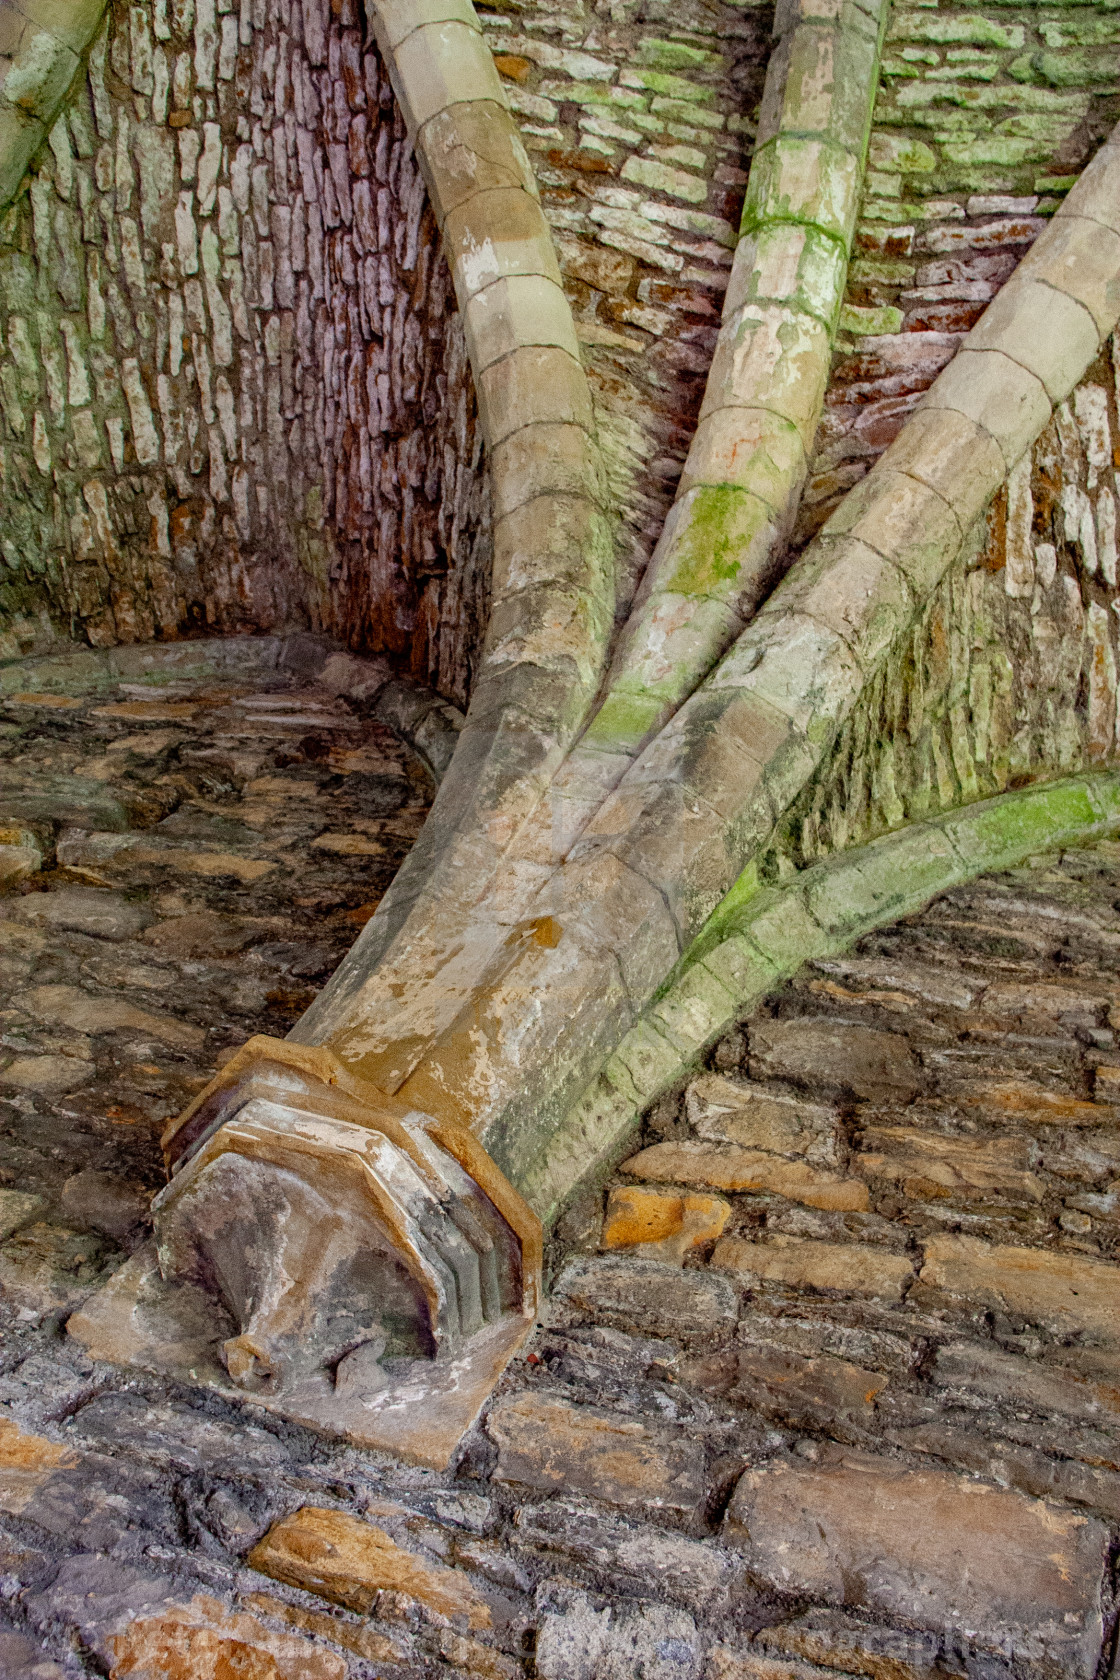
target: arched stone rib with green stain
759 937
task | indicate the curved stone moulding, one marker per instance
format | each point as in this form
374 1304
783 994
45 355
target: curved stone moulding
50 42
747 949
333 1255
552 590
704 796
716 556
747 462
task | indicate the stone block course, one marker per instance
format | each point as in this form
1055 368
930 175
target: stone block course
548 1444
841 1268
1065 1292
341 1558
931 1548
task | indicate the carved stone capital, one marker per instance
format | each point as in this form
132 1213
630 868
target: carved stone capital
329 1252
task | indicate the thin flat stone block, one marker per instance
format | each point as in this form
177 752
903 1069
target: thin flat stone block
549 1444
729 1167
1069 1292
653 1297
940 1551
840 1268
349 1561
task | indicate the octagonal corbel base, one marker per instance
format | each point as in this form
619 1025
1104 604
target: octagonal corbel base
328 1255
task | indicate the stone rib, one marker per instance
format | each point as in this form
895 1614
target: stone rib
723 539
51 40
704 796
738 495
750 946
553 573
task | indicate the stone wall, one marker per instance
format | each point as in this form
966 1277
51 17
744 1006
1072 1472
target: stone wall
639 118
235 388
983 122
1009 673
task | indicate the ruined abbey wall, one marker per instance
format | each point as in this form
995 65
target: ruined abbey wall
235 389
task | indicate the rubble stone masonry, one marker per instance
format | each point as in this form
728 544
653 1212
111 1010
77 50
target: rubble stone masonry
235 387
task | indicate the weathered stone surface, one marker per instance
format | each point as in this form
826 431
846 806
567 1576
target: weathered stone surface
931 1548
655 1298
107 1203
848 1268
820 1392
1016 1466
51 1075
547 1443
202 1640
1026 1100
350 1561
48 1268
16 1209
727 1167
987 1372
577 1642
71 1006
693 1572
663 1225
934 1164
1066 1292
734 1111
836 1056
837 1639
364 1641
23 1659
83 909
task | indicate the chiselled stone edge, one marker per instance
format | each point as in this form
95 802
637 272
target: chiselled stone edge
52 40
315 1066
429 724
553 572
705 794
552 593
759 938
748 458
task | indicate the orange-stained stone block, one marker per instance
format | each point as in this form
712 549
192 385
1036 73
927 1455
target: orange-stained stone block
666 1225
350 1561
352 1636
19 1451
27 1463
203 1640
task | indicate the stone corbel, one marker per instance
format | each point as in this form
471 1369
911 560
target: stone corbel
339 1258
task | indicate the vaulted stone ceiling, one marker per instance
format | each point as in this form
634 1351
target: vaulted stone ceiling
678 447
